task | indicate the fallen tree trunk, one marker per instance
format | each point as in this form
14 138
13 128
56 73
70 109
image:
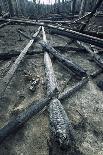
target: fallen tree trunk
96 57
77 36
9 55
61 130
15 123
93 33
69 64
69 91
61 31
96 73
4 83
100 84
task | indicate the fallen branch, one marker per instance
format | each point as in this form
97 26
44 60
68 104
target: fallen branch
23 34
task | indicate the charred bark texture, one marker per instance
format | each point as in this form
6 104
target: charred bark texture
69 64
61 130
96 57
69 91
4 83
15 123
77 36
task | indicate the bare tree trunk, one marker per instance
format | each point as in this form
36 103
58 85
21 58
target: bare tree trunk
82 8
73 6
11 11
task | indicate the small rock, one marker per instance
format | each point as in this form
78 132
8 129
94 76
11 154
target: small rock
34 84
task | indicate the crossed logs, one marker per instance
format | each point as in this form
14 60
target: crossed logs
61 129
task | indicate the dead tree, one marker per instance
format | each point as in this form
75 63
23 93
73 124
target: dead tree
70 91
99 2
62 31
76 36
73 6
66 62
82 8
4 83
17 122
95 57
61 131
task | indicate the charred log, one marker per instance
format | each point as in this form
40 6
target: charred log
69 91
4 83
61 130
95 57
96 73
77 36
69 64
15 123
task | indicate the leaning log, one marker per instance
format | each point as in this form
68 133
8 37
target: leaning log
4 83
66 62
61 130
99 2
15 123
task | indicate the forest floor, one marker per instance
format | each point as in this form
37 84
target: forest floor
84 108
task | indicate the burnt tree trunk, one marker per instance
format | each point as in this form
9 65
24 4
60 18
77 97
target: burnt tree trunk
15 123
66 62
61 131
4 83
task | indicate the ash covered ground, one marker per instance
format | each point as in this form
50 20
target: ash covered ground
84 108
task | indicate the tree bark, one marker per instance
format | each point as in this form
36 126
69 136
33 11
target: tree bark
69 64
96 57
69 91
15 123
61 130
4 83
